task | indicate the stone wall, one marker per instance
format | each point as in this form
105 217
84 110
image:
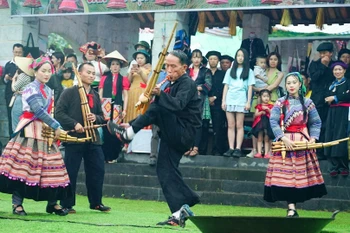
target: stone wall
163 25
112 33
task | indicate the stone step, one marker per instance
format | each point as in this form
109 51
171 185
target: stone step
221 198
189 171
213 161
211 173
210 185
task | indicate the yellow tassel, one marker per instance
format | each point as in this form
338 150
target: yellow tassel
201 22
309 50
232 23
320 18
286 19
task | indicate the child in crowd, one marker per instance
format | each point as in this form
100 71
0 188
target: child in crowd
67 77
260 72
261 125
236 100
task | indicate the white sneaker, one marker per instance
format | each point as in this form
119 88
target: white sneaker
251 154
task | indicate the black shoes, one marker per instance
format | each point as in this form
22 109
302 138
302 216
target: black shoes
172 221
237 153
185 212
228 153
101 208
294 215
18 210
233 153
118 131
51 209
152 161
70 210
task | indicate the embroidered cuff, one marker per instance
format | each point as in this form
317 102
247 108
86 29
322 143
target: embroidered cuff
335 99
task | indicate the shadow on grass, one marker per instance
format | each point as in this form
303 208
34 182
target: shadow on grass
89 224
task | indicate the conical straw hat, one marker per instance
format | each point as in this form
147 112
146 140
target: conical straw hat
23 63
116 55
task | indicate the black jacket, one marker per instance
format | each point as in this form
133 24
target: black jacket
217 88
68 111
321 78
181 98
10 69
55 84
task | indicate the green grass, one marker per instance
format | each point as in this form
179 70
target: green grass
132 216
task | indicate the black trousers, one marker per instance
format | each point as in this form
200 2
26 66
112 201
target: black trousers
201 138
338 163
111 146
94 171
9 118
219 122
323 112
176 139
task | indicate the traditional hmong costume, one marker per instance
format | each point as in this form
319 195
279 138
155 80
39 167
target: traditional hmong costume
261 123
299 178
337 126
27 167
113 86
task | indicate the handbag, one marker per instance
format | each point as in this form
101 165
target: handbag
267 50
294 62
31 50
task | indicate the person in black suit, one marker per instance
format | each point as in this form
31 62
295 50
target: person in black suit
9 72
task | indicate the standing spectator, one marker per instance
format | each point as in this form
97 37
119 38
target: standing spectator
344 56
72 58
138 78
114 87
236 99
23 78
306 80
54 83
66 77
274 78
321 78
9 72
201 76
141 45
226 62
69 114
261 128
92 53
338 97
218 116
298 178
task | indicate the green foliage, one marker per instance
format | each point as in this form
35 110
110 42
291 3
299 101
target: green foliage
280 33
132 216
58 42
